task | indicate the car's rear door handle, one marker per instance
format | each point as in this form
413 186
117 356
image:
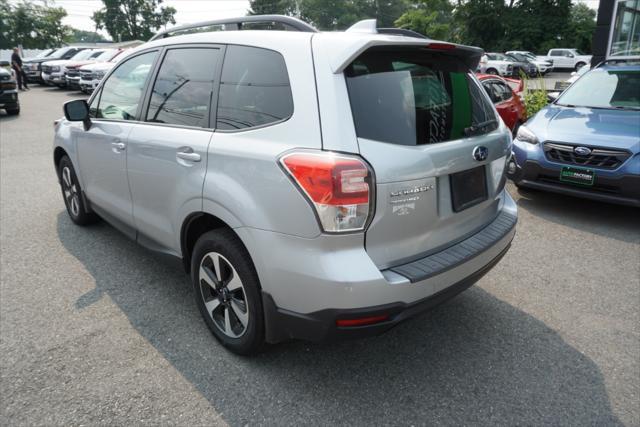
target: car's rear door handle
118 146
188 154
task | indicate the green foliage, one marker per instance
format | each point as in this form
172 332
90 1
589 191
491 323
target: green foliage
133 19
535 99
341 14
81 36
582 24
432 18
32 26
272 7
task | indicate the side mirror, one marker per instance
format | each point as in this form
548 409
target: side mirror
78 111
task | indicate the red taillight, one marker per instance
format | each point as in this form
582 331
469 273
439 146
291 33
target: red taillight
337 185
362 321
441 46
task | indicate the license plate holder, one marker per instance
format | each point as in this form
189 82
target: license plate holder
468 188
578 176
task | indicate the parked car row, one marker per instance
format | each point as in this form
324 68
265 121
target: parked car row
513 64
73 67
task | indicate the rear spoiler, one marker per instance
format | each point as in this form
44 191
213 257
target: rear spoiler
342 54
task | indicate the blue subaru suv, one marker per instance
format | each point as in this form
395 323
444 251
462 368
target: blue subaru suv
587 142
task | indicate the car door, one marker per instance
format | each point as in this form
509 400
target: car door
167 153
102 148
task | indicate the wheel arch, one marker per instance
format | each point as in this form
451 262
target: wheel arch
58 154
194 226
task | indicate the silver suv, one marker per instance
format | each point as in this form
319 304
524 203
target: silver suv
315 185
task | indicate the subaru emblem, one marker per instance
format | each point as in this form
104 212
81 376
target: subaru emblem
480 153
582 151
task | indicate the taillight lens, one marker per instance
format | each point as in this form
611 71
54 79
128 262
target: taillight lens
338 186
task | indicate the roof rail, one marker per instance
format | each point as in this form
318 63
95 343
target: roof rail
235 24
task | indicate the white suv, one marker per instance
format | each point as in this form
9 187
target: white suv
315 185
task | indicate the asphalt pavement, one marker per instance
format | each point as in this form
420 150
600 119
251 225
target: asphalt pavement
97 330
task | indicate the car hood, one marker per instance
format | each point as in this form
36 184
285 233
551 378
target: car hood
58 62
588 126
98 66
74 64
36 60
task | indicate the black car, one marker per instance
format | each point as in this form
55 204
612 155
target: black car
33 66
9 93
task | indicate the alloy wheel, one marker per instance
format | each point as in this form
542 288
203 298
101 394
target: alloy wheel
223 295
70 189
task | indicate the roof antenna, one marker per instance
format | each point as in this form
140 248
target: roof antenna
368 26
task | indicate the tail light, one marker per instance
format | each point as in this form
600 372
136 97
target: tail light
339 187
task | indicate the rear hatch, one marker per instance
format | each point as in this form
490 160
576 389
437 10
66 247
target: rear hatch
435 145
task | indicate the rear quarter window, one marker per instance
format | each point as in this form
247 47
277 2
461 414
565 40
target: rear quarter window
254 89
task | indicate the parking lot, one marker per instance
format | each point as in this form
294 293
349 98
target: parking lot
97 330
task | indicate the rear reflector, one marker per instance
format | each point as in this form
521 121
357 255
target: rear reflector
363 321
338 186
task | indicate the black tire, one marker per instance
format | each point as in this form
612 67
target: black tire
13 112
492 71
224 243
72 194
579 65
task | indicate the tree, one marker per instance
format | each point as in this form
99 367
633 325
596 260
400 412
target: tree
32 26
432 18
341 14
536 25
482 23
582 24
272 7
133 19
81 36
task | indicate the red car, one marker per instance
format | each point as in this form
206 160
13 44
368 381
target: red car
505 95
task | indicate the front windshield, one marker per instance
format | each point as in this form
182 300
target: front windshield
46 53
576 52
60 53
83 54
499 57
517 58
614 89
106 55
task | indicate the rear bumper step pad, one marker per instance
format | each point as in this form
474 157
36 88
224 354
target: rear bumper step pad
459 253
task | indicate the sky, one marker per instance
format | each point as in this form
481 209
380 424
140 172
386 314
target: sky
80 11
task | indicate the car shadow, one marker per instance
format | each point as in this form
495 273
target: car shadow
605 219
475 360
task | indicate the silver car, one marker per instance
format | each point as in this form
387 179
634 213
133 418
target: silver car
315 185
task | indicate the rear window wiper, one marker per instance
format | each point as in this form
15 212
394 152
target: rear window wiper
474 128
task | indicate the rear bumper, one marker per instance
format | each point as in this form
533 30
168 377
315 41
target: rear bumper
282 325
308 284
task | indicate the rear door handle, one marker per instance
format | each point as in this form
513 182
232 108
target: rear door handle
118 146
188 154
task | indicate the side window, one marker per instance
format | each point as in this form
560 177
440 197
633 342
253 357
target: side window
503 90
182 91
254 89
556 53
489 88
122 91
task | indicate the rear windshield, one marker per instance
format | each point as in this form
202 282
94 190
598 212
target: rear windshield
416 97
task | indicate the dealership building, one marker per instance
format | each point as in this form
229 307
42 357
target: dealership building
617 34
